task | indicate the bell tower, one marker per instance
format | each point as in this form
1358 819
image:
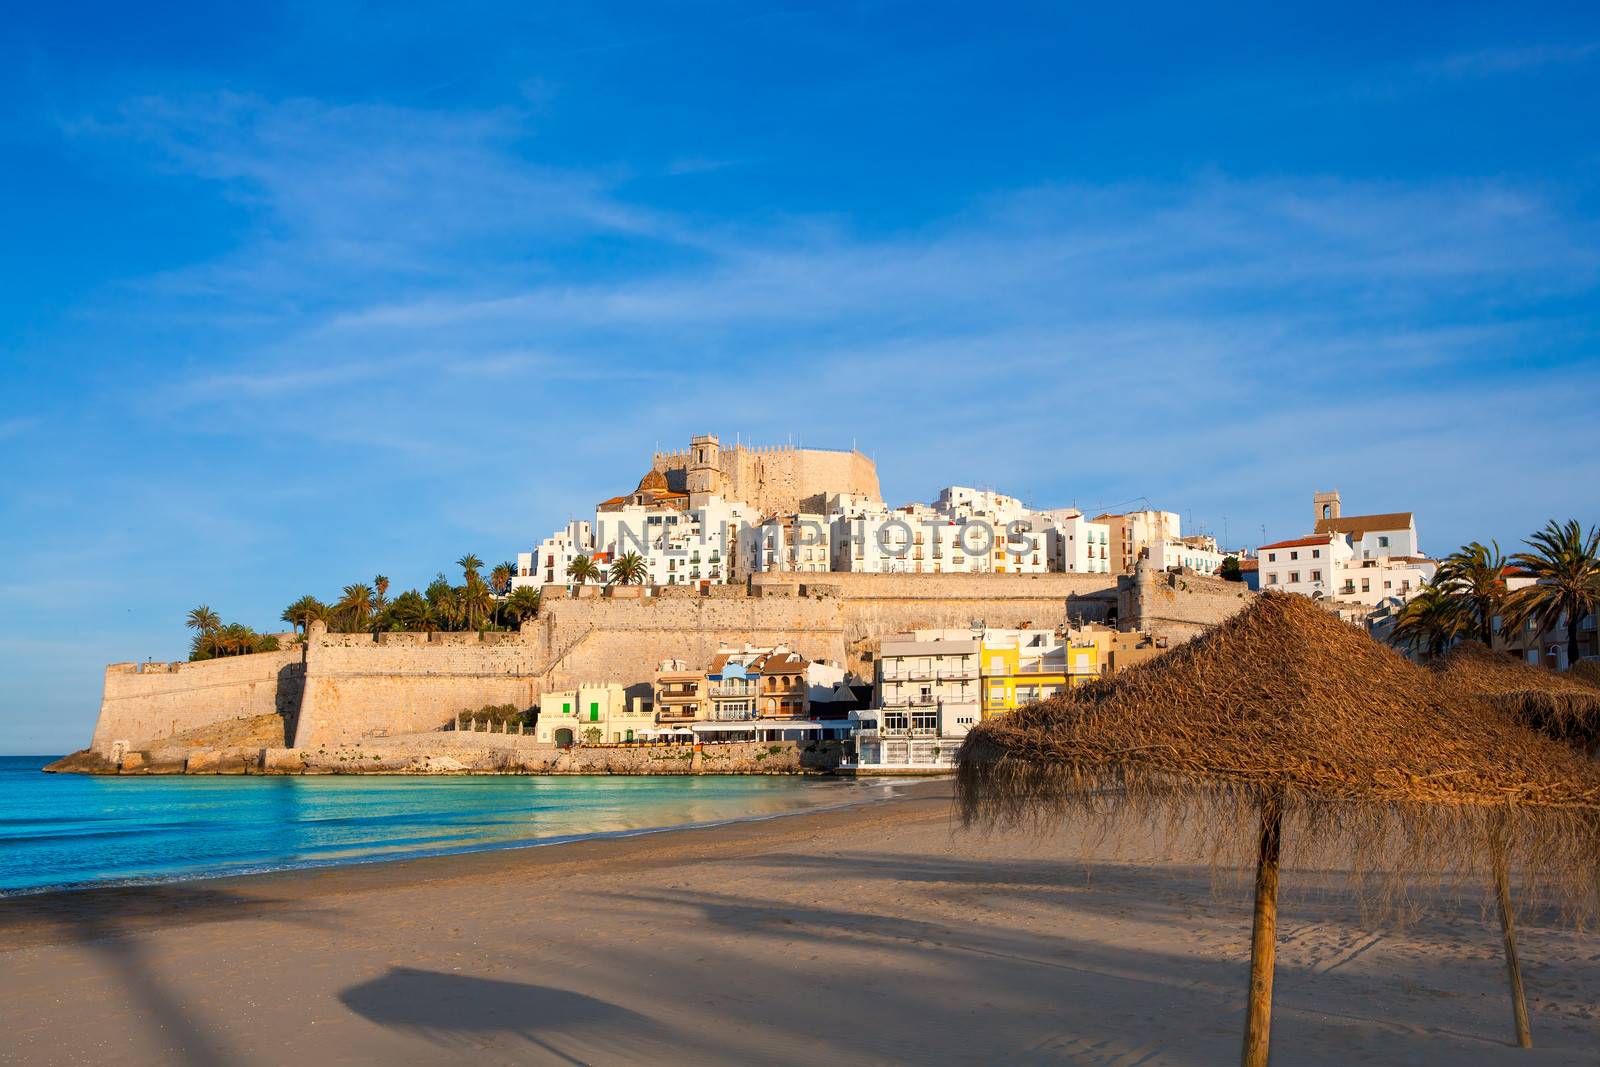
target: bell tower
705 464
1327 505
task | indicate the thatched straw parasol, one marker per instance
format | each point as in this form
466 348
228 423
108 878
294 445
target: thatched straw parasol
1284 714
1586 671
1559 704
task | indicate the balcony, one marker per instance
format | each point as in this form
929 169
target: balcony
733 691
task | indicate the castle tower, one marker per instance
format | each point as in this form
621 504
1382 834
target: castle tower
705 464
1327 505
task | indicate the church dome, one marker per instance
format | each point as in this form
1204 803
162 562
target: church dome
654 480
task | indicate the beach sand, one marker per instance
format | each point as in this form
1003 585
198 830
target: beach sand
879 934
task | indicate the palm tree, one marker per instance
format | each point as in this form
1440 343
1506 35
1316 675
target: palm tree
500 585
630 569
476 602
523 603
1565 564
470 565
1475 575
354 609
1431 621
380 599
500 577
301 613
411 611
203 621
582 569
447 607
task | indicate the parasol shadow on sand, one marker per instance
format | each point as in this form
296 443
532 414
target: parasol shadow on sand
1286 723
447 1008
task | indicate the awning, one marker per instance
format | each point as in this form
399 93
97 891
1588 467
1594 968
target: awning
724 727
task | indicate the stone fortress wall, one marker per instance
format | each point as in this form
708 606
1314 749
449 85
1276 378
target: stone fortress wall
142 701
340 688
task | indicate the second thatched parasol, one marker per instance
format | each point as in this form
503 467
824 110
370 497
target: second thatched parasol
1560 705
1285 716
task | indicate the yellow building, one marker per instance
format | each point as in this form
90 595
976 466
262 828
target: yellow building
1018 667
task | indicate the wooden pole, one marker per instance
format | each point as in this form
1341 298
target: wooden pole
1264 934
1508 930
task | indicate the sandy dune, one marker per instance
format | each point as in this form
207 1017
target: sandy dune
868 936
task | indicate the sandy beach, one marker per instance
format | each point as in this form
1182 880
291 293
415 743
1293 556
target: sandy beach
877 934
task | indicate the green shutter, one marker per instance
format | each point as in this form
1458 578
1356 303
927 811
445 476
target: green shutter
594 712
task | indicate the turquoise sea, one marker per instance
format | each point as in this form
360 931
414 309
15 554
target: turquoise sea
70 831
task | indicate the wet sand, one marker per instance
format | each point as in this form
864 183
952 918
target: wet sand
878 934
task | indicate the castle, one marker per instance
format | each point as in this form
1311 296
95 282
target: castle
773 480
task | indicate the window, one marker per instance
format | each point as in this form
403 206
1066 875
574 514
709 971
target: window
1316 553
1383 542
566 707
1316 576
1294 555
594 712
1294 577
1272 579
1272 557
1366 585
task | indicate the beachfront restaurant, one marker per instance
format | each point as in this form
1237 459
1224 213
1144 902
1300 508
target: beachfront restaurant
768 730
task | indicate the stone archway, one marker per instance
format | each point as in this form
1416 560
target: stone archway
564 738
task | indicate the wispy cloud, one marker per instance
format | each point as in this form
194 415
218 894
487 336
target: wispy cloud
1495 61
1169 321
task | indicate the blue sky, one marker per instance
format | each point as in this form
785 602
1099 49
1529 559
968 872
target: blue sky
302 293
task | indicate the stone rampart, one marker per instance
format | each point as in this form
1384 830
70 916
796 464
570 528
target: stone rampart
354 686
357 686
145 702
1177 605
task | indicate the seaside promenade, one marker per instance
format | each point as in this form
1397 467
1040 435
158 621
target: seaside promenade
872 935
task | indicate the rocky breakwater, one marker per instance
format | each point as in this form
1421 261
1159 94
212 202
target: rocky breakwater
467 753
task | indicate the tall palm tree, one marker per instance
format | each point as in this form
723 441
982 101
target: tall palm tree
500 577
523 603
203 621
1475 576
380 590
583 569
476 602
1431 621
354 609
470 565
500 585
630 569
1565 563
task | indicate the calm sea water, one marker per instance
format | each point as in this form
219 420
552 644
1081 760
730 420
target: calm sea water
68 830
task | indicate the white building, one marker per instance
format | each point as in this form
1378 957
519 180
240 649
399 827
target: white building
799 542
547 564
680 546
1078 545
963 502
1370 536
1364 559
926 699
592 713
1198 554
